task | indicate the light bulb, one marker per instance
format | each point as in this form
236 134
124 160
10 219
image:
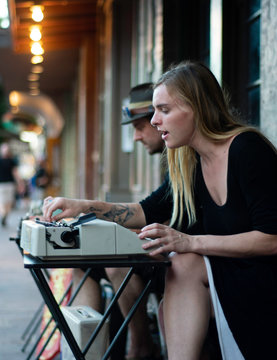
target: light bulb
37 59
35 33
33 77
37 13
37 49
37 69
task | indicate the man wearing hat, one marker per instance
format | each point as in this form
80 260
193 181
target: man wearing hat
139 112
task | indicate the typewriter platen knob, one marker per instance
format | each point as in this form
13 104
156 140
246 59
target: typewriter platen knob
69 236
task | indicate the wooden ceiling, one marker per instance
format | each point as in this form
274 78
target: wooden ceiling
65 24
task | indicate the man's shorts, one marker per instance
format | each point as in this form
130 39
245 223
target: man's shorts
157 285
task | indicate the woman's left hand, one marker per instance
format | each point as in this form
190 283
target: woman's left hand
166 239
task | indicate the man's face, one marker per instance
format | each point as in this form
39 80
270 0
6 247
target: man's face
148 135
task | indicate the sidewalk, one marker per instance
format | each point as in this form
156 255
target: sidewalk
19 297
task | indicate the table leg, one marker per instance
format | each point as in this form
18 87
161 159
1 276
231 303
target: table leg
127 320
75 293
109 310
56 312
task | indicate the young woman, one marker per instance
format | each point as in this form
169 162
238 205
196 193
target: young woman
223 233
226 174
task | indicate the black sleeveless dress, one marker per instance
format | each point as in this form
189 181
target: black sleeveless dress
247 288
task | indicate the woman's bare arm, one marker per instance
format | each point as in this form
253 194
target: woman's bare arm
248 244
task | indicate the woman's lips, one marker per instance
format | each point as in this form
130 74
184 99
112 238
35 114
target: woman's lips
164 135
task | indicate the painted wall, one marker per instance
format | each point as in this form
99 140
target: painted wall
269 69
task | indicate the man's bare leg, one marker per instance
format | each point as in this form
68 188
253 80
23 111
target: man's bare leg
90 292
141 343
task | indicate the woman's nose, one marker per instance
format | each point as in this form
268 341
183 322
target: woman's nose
154 120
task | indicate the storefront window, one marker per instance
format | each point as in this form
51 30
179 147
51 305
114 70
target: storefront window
4 14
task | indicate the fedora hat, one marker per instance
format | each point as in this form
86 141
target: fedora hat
140 104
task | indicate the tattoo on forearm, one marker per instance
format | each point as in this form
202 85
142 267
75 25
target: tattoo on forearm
118 213
93 209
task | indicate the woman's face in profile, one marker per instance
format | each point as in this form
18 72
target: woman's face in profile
173 118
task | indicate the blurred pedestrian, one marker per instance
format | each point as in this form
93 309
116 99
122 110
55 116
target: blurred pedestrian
40 180
10 182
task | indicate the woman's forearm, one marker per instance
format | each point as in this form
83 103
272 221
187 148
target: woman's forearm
249 244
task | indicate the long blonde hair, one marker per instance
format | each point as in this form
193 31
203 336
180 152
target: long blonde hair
194 84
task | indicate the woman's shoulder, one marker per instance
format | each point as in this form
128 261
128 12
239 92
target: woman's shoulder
251 150
247 137
251 141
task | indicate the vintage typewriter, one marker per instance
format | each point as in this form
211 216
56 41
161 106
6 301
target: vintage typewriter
88 237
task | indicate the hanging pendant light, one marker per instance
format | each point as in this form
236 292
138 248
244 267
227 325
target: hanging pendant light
36 48
37 59
35 33
37 12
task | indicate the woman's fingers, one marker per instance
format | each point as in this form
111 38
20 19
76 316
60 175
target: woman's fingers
165 239
152 231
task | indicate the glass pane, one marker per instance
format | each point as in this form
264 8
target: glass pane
254 51
4 14
254 5
254 105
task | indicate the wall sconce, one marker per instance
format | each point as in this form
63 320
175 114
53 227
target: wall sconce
37 12
35 33
36 48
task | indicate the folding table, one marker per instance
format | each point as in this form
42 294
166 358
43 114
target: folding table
36 265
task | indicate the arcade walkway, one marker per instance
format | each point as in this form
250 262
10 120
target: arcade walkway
19 297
